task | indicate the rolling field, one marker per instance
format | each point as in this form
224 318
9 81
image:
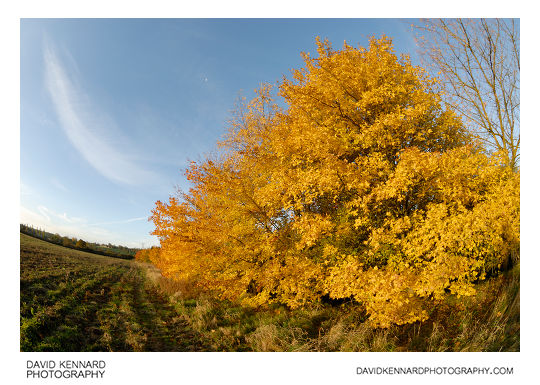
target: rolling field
76 301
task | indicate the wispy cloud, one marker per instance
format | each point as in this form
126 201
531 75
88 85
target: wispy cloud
26 190
120 222
64 224
56 183
30 217
47 214
91 132
44 212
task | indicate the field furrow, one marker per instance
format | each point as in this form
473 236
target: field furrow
75 301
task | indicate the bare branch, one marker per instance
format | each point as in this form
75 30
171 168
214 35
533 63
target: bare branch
479 63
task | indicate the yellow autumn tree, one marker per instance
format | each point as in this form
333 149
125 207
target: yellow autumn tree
363 187
148 255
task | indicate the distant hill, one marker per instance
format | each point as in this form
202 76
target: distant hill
109 250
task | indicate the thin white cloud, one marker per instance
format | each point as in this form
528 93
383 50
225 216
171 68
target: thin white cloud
120 222
26 190
30 217
65 225
92 133
44 211
61 224
47 214
56 183
65 217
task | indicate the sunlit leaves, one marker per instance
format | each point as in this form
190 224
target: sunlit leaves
364 188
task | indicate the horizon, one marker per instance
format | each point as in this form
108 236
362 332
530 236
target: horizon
73 238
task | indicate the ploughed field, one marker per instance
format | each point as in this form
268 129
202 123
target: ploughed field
77 301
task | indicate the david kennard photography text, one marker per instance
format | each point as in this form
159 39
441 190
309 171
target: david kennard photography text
65 369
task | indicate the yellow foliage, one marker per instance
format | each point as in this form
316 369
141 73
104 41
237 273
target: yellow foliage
363 188
148 255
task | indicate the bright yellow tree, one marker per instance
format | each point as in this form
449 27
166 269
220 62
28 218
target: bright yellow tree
364 187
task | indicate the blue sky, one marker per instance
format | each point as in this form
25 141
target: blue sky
113 109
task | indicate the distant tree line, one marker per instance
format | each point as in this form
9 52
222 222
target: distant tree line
108 249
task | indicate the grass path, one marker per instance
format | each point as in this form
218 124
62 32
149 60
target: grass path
76 301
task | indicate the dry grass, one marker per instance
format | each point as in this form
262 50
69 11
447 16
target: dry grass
488 321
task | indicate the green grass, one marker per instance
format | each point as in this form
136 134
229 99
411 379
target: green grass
76 301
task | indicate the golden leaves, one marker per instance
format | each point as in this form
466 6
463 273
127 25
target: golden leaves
364 188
